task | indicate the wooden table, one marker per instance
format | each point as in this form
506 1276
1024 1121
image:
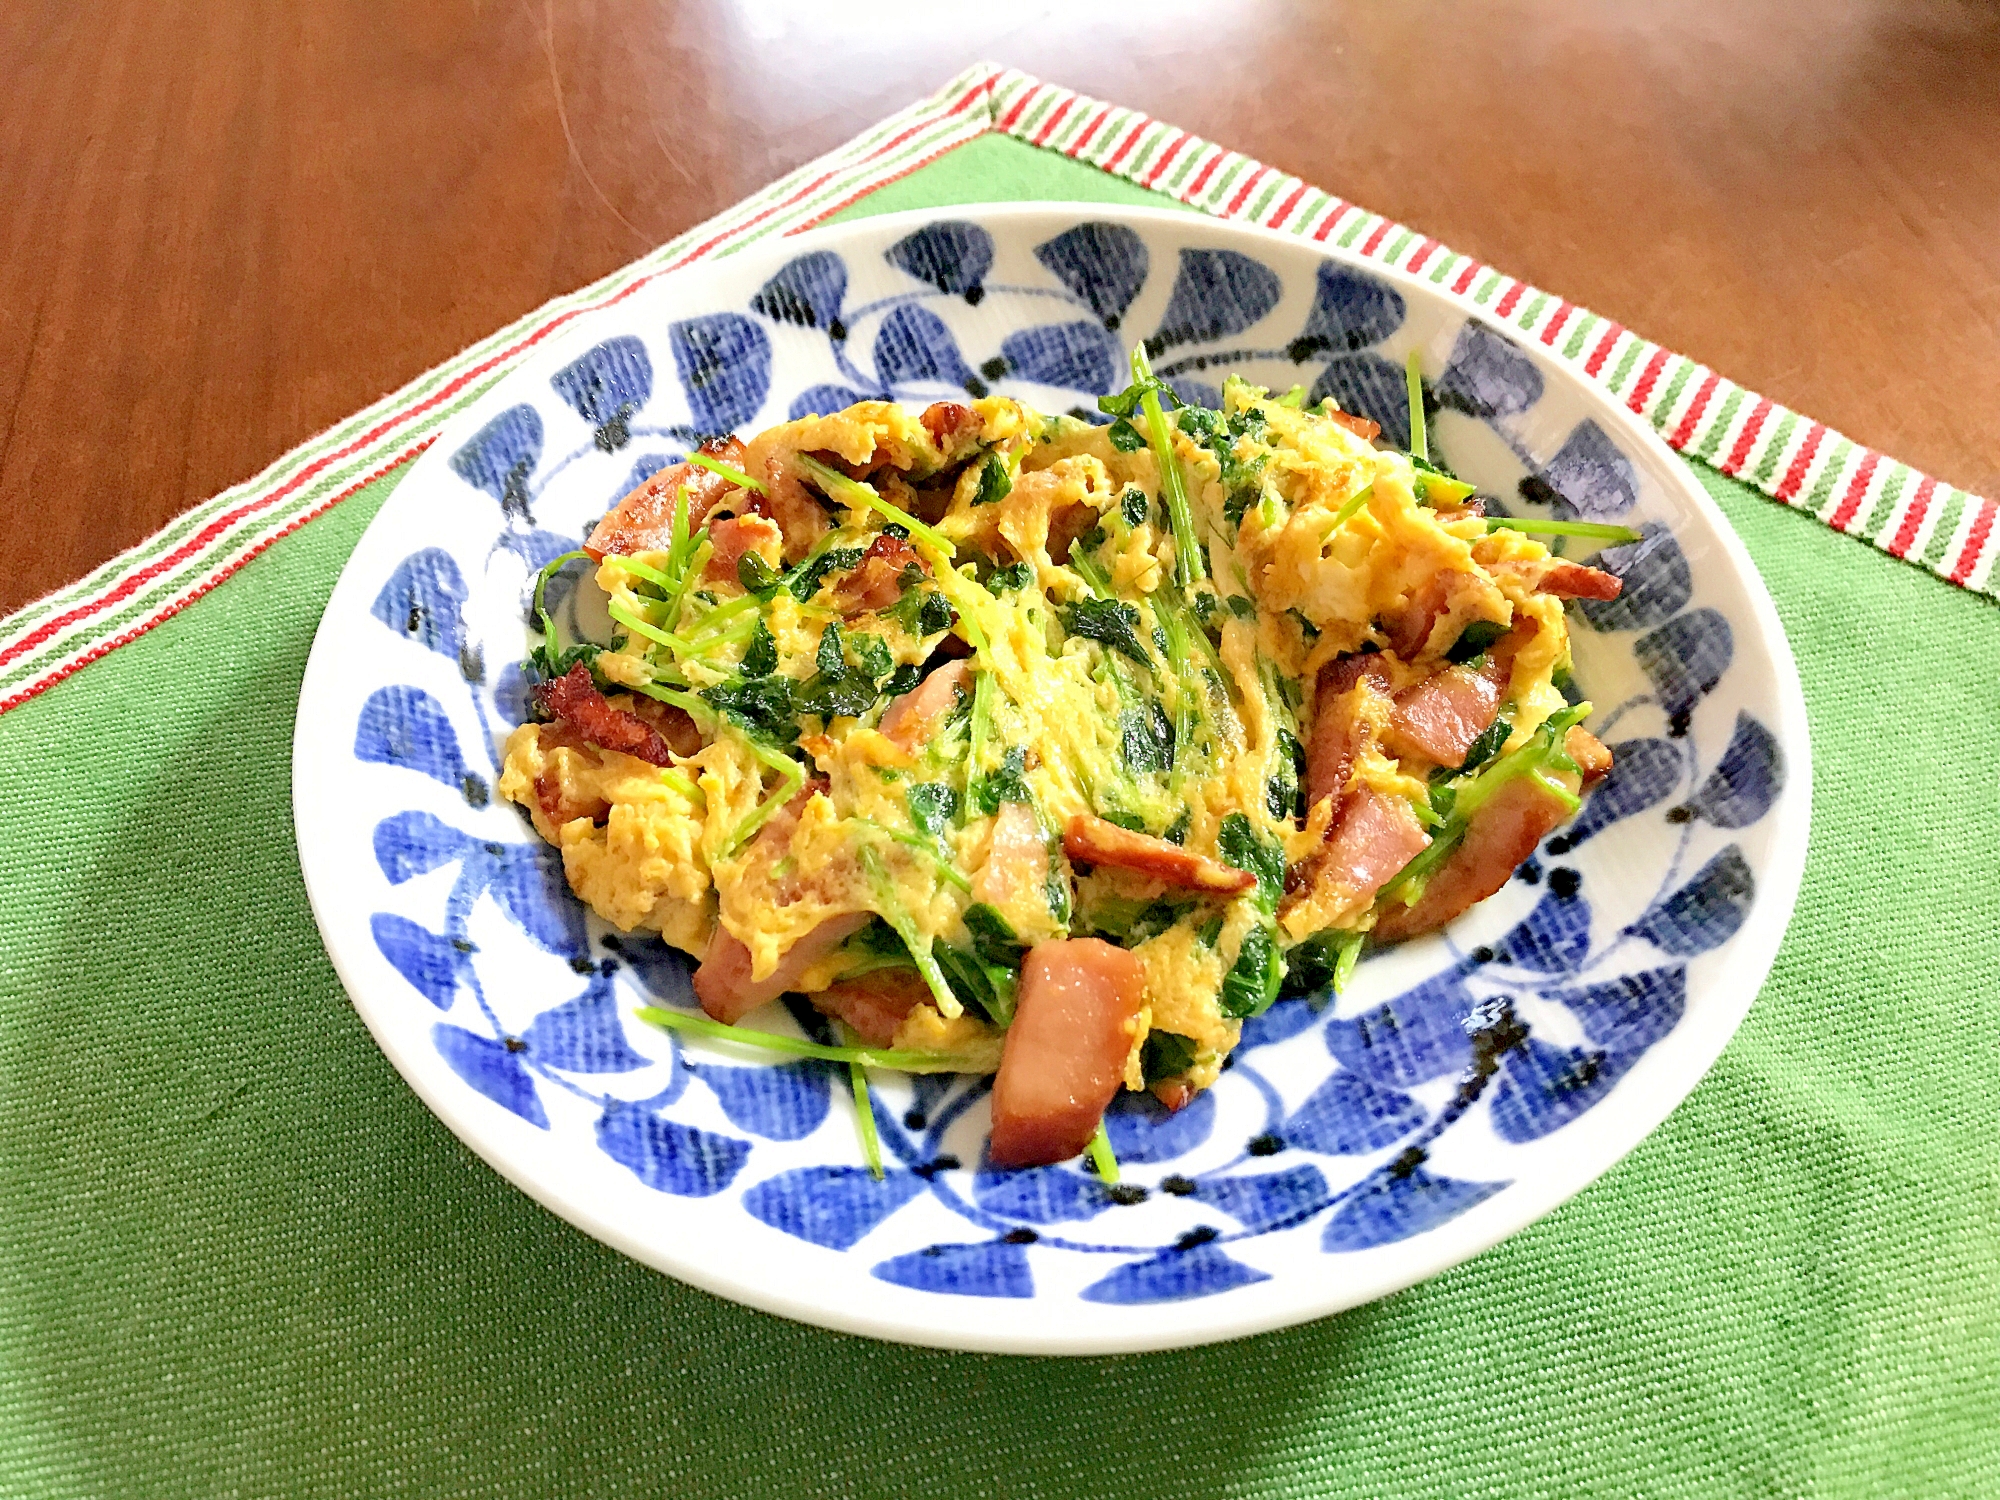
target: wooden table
225 224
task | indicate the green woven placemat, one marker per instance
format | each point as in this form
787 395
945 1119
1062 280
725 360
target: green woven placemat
238 1257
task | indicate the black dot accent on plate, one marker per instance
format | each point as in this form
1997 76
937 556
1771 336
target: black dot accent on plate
974 386
937 1164
583 963
1177 1186
611 942
1557 845
994 368
1265 1145
1111 323
515 1044
1564 882
463 946
496 848
1126 1193
1530 872
1020 1236
974 295
1482 955
1681 814
1677 726
474 788
837 331
915 1120
1229 1062
1408 1162
1538 491
608 967
1201 1234
1301 350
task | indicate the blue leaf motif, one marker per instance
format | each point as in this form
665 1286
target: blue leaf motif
1487 376
606 385
1280 1023
1217 292
1591 477
952 255
1069 356
1350 311
583 1035
1417 1036
1686 657
822 400
663 972
490 1069
527 880
423 600
1658 582
538 548
1104 264
511 693
1369 386
785 1102
1543 1088
1194 392
1349 1116
1040 1195
1746 781
724 364
1631 1012
428 961
1398 1201
667 1157
501 455
1141 1129
1642 773
807 292
1201 1270
997 1268
1706 912
913 346
1553 938
1268 1199
405 726
415 843
830 1206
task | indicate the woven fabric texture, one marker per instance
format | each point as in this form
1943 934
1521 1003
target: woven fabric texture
239 1258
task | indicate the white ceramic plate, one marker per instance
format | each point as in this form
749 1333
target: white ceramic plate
1463 1086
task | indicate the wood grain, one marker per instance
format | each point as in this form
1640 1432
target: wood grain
225 224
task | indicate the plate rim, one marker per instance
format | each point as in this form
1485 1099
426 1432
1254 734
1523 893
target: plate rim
1165 1326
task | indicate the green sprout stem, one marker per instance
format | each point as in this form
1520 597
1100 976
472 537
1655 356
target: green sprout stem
864 1114
1188 565
1597 529
734 475
862 497
872 1057
1419 439
549 632
792 776
897 916
1352 508
1102 1156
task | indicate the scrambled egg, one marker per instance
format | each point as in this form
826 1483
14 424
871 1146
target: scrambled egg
1103 677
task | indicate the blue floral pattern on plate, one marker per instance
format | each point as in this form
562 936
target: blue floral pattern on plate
1344 1126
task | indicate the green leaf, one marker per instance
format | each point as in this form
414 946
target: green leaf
1008 783
993 937
1147 737
762 705
1474 639
760 657
902 680
1484 748
1110 622
1253 980
932 806
1005 580
995 483
1134 506
1265 859
1124 436
1166 1054
757 576
872 655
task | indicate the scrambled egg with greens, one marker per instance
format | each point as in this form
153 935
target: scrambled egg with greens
909 707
